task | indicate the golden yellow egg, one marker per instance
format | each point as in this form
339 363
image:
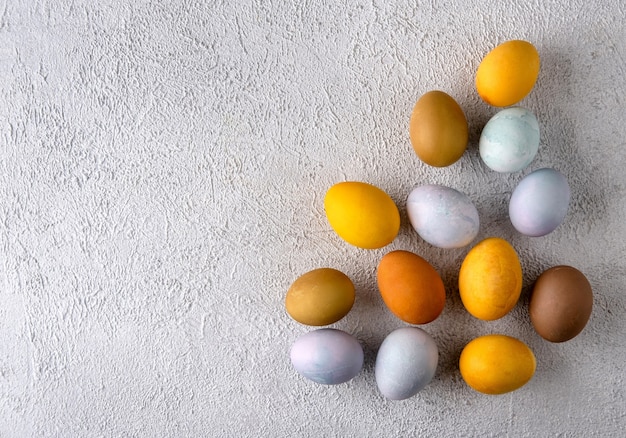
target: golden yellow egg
362 214
438 129
320 297
490 279
496 364
508 73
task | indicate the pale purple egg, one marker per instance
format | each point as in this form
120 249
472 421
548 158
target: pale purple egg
442 216
328 356
539 203
406 362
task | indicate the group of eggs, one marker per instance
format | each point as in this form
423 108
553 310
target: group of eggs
490 276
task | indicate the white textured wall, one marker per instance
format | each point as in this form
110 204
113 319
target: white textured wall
162 171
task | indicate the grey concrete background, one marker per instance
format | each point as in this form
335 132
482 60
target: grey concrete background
162 171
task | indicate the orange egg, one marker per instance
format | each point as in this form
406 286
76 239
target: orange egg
410 287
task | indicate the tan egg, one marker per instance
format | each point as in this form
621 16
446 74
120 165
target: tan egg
438 129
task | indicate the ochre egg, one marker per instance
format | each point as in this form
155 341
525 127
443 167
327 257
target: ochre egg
496 364
508 73
320 297
490 279
410 287
561 303
362 214
438 129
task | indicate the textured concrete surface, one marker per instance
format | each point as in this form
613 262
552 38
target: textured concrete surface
162 171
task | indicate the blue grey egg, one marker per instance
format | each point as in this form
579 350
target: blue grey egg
406 362
442 216
328 356
539 203
510 140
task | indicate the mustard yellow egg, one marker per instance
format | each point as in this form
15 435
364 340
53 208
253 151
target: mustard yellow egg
362 214
497 364
438 129
490 279
508 73
320 297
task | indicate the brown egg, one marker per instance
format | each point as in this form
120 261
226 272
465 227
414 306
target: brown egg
438 129
560 304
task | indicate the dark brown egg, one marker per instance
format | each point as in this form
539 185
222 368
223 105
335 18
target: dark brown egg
560 304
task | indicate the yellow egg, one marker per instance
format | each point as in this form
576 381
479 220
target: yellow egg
438 129
490 279
320 297
496 364
508 73
362 214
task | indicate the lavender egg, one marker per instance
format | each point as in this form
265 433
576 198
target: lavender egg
327 356
406 362
442 216
539 203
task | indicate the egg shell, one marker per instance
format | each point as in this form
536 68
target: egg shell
508 73
490 279
320 297
410 287
442 216
539 203
560 303
406 362
510 140
362 214
497 364
438 129
327 356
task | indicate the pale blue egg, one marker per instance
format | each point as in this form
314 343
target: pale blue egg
328 356
442 216
539 203
510 140
406 362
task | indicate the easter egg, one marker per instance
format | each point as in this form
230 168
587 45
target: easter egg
410 287
406 362
539 203
510 140
320 297
560 303
362 214
508 73
438 129
327 356
442 216
497 364
490 279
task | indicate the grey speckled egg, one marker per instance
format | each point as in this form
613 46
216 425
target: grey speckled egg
406 362
510 140
442 216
